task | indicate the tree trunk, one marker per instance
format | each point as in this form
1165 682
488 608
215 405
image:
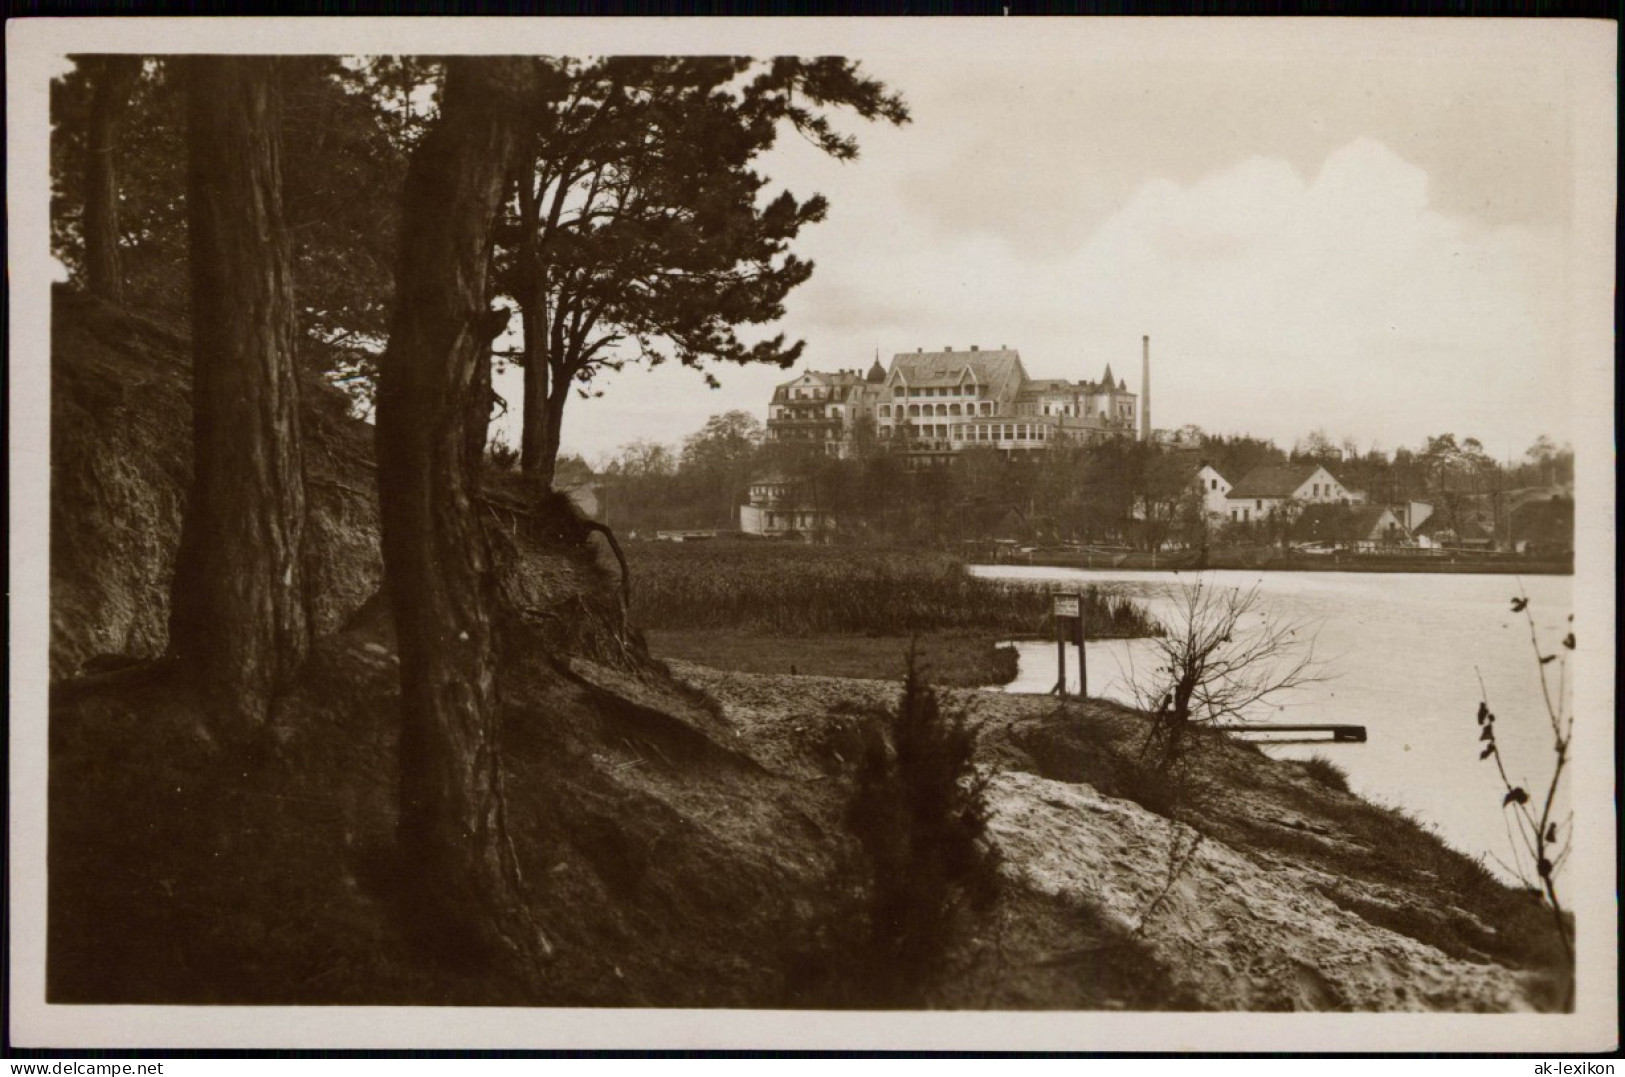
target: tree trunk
552 423
115 81
238 615
436 561
534 460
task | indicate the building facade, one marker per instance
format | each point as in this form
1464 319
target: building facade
1264 491
1215 490
778 507
931 405
827 411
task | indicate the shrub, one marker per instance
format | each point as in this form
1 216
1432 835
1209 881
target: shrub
1327 773
920 813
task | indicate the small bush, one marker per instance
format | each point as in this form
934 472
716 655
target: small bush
1327 773
920 813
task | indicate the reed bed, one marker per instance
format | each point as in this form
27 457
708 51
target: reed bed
787 589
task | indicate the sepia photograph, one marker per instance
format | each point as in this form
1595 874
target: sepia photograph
1081 534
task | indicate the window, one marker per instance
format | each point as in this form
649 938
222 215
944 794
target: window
897 390
1259 505
1213 484
885 411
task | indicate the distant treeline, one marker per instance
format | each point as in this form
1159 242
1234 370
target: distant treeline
1118 492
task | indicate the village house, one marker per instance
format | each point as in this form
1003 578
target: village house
1264 491
1437 532
779 507
1215 490
1362 528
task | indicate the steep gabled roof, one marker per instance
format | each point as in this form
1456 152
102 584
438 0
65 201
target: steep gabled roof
993 370
1340 523
1106 378
1274 480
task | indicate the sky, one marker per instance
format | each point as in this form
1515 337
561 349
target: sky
1372 243
1342 226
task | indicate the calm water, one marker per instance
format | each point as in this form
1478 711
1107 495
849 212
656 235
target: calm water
1403 656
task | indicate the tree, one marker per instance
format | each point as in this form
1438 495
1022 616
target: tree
720 458
1166 488
1551 464
344 174
115 80
1222 653
1237 454
143 215
643 459
238 618
342 166
640 230
432 417
1456 473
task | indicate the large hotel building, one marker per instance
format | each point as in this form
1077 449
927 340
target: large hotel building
931 405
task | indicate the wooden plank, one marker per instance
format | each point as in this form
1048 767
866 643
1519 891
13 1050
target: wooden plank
1348 734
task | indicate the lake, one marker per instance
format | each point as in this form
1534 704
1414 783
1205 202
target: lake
1403 654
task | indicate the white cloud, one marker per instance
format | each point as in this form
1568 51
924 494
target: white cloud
1282 292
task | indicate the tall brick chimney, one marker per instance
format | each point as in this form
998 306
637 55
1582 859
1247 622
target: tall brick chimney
1145 388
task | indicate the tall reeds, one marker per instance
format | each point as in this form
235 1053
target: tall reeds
801 590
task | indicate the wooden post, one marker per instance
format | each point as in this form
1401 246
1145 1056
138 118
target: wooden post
1060 656
1083 660
1064 608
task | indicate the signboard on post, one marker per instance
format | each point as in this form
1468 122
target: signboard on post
1069 607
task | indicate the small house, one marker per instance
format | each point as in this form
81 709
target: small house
780 507
1349 527
1264 491
1215 490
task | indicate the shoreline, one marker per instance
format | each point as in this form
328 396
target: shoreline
1142 562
